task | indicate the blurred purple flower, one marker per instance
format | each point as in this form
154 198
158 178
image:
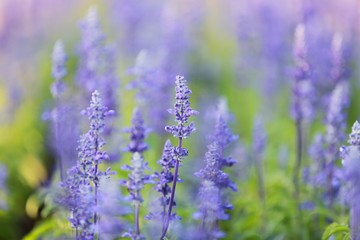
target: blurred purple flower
91 47
325 149
135 183
152 87
215 180
97 68
303 90
163 179
351 156
58 71
138 133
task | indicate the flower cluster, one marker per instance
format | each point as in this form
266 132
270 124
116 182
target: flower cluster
163 179
82 183
138 133
303 90
351 156
182 110
137 177
215 180
92 40
58 70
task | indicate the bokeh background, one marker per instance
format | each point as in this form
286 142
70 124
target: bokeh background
237 51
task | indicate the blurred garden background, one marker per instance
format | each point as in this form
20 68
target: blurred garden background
240 58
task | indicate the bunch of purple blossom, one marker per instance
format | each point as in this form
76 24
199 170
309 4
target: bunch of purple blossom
214 181
58 72
302 103
163 179
325 150
91 47
152 85
82 183
64 114
182 112
351 156
137 177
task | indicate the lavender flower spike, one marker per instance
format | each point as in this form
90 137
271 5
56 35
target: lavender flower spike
182 111
303 90
135 183
82 184
302 103
137 133
351 156
163 179
137 178
91 47
58 72
214 181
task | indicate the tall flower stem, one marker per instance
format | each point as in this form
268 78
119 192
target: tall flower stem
60 165
261 185
172 196
297 171
297 168
137 224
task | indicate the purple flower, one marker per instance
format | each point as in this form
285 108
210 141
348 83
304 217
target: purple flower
82 183
152 87
354 137
303 90
338 70
210 210
138 133
58 70
135 183
57 88
92 40
111 206
215 180
182 110
336 117
137 177
326 174
214 161
351 157
163 180
77 197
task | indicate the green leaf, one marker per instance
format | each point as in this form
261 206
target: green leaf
334 229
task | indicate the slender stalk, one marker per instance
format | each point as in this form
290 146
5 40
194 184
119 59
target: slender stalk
297 168
172 196
297 171
137 225
56 122
260 175
96 187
